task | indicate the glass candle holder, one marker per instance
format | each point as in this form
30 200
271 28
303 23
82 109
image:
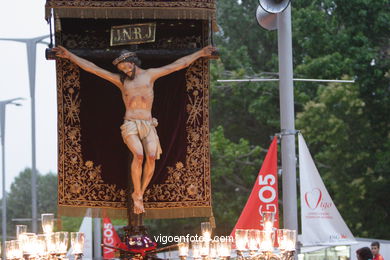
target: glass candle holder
253 239
17 251
282 239
41 245
206 230
286 239
196 245
47 222
77 242
213 249
8 250
266 241
241 239
61 242
291 240
20 229
51 243
183 249
205 248
268 220
28 243
224 249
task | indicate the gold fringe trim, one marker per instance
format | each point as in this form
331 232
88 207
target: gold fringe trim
212 220
193 212
133 13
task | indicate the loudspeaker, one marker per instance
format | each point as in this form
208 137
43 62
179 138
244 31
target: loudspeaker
266 13
274 6
266 20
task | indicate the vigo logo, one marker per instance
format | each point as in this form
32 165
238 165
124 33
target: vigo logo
108 237
267 194
313 198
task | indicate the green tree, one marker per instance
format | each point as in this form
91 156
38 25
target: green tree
347 126
245 110
234 170
19 198
344 125
338 135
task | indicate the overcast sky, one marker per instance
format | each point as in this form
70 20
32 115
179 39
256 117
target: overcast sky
25 19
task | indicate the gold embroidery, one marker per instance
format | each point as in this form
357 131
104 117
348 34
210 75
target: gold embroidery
80 183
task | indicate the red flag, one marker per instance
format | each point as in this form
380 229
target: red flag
264 195
111 238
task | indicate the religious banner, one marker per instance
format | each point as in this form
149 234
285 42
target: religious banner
322 223
94 163
264 195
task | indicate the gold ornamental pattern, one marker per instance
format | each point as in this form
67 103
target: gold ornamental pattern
80 182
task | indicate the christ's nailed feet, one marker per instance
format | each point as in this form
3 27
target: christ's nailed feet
138 203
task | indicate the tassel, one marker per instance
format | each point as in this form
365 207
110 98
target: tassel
212 220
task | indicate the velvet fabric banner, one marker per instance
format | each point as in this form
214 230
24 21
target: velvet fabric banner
94 163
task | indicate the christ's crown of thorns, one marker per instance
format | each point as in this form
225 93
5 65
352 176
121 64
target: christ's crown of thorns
123 57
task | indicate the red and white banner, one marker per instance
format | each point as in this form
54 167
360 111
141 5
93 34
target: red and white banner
322 223
110 238
264 195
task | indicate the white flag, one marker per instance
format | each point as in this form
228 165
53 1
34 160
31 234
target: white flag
322 223
86 228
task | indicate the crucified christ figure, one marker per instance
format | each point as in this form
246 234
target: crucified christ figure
138 130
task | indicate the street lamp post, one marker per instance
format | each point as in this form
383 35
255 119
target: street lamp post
287 125
3 105
31 59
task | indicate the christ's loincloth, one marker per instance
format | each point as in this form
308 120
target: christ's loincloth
143 129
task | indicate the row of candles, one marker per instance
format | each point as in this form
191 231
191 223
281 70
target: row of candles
253 240
268 243
205 247
50 245
260 244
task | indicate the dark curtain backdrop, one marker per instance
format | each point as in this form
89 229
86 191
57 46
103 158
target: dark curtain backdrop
101 115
